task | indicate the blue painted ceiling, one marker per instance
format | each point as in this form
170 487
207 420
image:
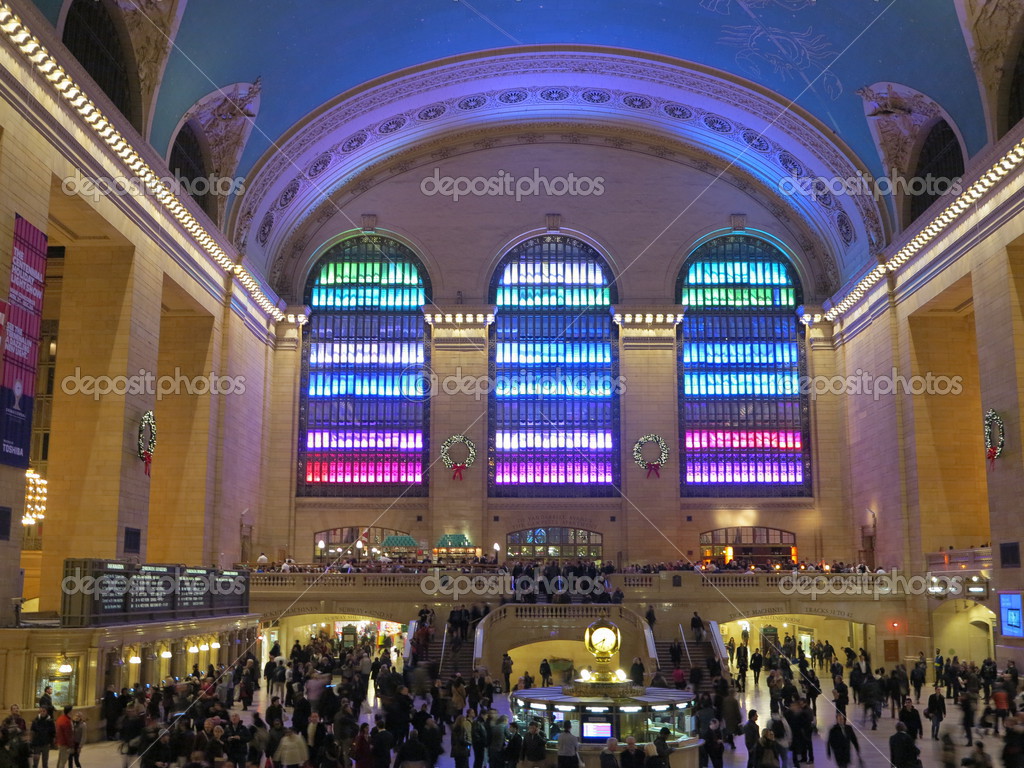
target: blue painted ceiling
815 53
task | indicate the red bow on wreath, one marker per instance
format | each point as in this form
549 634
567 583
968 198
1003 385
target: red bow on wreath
654 467
991 455
457 471
147 457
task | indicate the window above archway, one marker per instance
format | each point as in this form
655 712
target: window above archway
744 424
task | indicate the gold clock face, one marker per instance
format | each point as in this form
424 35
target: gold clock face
603 640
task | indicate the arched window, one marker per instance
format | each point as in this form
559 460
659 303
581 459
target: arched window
938 164
363 412
1015 104
92 36
744 423
554 410
187 163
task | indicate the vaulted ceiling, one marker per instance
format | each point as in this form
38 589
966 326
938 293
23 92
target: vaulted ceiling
817 53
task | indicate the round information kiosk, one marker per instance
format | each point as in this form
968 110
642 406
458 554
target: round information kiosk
604 704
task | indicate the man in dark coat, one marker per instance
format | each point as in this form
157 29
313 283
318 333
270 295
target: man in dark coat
842 740
936 711
902 750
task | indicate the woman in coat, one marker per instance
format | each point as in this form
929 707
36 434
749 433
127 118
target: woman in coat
361 753
460 742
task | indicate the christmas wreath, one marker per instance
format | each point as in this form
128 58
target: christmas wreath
453 465
147 445
650 466
994 443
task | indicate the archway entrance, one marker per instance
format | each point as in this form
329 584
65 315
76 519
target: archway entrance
755 545
964 628
795 634
554 543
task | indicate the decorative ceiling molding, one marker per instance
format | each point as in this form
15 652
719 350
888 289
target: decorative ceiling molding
289 267
896 115
991 28
225 118
748 127
152 26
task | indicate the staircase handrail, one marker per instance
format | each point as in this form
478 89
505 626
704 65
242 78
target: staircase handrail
718 647
686 647
409 633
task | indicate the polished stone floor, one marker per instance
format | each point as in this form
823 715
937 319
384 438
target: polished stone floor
874 744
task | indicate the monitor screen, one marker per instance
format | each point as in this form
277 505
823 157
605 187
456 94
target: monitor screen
1010 614
597 730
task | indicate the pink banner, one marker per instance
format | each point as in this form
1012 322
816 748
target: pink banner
21 343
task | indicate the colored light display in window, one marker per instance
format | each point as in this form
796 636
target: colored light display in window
554 409
743 417
364 391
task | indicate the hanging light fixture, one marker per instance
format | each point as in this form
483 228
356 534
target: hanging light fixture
204 647
166 654
134 660
65 668
193 649
35 498
215 645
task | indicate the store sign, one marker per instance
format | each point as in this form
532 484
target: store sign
22 319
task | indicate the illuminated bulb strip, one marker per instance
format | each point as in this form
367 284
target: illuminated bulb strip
648 318
30 47
458 318
1004 165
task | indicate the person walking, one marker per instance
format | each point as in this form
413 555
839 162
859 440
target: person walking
43 734
65 737
841 743
697 626
751 736
936 711
568 747
902 750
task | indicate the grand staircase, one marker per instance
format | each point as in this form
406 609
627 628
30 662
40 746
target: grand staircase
699 655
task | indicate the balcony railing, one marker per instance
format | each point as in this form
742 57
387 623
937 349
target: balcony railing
978 559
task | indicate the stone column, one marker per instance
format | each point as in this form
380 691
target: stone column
109 329
998 285
181 502
828 440
459 364
274 531
650 524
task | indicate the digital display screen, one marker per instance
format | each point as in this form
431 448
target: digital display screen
593 730
1010 614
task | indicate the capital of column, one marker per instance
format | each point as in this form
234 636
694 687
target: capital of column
296 314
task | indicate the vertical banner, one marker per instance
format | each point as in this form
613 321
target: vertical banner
21 344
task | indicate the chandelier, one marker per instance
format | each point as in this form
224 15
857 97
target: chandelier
35 498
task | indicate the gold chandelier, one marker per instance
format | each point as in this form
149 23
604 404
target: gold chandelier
35 498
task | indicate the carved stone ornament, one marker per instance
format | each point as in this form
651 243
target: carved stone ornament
896 115
225 118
